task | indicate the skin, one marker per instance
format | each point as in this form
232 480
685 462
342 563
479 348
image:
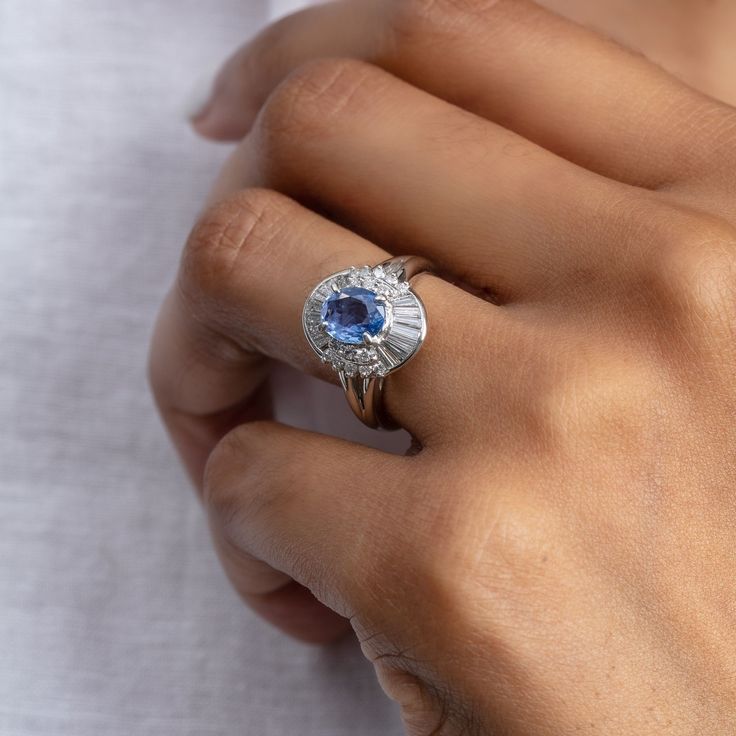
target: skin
557 555
691 38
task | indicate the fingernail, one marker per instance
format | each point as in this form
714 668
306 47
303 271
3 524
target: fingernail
197 103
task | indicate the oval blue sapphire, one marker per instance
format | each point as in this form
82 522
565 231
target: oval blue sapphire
352 311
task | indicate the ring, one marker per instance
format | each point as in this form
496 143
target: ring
367 322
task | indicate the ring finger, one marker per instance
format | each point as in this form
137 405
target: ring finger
253 259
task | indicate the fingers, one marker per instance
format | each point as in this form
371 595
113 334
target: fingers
251 74
417 174
252 261
554 82
245 273
310 506
205 385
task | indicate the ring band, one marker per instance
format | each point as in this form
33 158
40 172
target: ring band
367 322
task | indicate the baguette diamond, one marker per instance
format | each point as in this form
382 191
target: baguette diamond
364 321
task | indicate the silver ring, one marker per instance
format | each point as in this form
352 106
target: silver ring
367 322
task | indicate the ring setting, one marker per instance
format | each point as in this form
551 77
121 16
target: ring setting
367 322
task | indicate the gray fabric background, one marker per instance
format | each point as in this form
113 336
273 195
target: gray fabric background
114 615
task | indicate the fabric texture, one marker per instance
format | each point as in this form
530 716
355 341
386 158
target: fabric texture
115 617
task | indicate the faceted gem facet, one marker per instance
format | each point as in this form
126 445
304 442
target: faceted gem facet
351 312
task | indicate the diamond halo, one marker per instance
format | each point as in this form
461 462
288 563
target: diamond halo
400 337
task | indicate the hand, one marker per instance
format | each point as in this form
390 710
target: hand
558 558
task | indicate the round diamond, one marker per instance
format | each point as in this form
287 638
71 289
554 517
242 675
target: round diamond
351 312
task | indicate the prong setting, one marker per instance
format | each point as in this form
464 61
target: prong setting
376 355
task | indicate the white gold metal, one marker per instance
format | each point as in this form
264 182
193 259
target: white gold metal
363 368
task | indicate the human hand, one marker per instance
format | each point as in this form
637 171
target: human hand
558 557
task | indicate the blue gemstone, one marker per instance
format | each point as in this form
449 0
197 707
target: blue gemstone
352 311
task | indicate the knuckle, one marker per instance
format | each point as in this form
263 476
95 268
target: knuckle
229 453
232 235
308 101
585 395
237 485
506 559
515 545
690 271
496 557
506 536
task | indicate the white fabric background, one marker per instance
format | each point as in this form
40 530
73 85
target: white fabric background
115 618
